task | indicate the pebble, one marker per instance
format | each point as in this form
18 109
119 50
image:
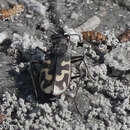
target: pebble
90 24
3 35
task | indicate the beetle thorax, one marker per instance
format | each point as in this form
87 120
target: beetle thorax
60 49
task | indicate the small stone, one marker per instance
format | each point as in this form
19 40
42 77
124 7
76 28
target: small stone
21 102
32 115
21 65
47 108
3 35
90 24
17 69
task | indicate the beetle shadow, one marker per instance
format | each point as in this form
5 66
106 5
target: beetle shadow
25 90
23 83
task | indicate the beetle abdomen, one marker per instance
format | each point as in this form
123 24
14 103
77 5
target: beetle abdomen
54 77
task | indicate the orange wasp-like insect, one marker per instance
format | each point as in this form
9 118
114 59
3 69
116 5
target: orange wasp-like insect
125 37
6 13
93 36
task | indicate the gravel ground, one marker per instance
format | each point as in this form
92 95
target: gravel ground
102 101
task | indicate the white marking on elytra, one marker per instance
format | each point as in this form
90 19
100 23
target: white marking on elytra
47 90
63 72
47 75
60 89
47 62
57 90
60 77
65 63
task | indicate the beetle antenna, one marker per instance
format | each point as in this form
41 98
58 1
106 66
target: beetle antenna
33 80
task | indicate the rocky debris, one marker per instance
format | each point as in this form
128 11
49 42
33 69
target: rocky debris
25 42
123 3
36 6
112 40
119 58
38 116
90 24
75 37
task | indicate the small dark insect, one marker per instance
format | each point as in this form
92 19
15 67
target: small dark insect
54 74
124 37
93 36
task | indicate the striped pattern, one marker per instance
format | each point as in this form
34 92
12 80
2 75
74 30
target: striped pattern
62 77
54 77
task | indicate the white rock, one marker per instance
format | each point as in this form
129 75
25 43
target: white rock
24 110
14 97
75 37
3 35
19 113
36 6
27 125
74 15
47 108
21 102
21 65
26 42
9 111
58 119
17 69
32 115
46 24
90 24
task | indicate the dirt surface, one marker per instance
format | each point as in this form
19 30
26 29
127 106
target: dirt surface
99 98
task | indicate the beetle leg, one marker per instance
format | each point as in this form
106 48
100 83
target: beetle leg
39 49
33 77
74 77
88 71
33 80
79 58
74 100
76 59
